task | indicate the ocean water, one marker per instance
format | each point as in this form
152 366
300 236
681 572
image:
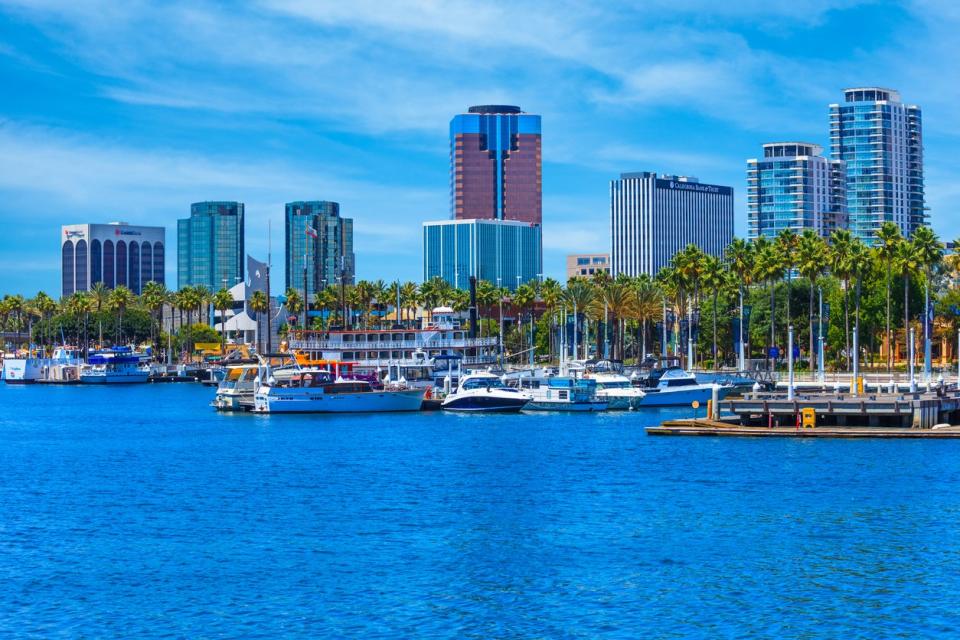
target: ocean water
139 512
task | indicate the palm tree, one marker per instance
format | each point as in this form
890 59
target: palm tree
930 254
223 300
80 304
811 264
714 277
888 237
739 255
842 266
202 297
45 306
16 305
523 299
486 297
433 292
258 303
100 296
907 264
551 292
579 295
861 260
647 306
617 299
689 263
787 245
408 297
153 298
768 267
120 298
294 303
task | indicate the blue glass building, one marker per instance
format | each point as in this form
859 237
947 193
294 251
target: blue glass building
329 255
210 246
881 141
505 253
794 187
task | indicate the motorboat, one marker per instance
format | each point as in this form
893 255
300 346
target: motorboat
616 390
322 391
235 392
485 392
565 393
120 366
675 387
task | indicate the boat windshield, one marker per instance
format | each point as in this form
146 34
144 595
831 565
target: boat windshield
482 383
614 384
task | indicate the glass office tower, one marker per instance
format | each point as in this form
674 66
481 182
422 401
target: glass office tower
329 255
210 245
495 165
502 252
794 187
881 141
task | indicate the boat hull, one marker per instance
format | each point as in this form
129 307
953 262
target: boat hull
547 405
21 370
113 379
682 397
486 403
281 401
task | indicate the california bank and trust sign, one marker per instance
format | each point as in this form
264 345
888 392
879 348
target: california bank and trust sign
71 234
126 232
693 186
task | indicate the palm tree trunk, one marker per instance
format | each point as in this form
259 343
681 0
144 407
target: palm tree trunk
810 308
715 292
906 312
773 339
887 334
846 320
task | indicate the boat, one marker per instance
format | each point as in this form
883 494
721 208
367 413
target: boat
485 392
61 368
119 366
235 392
675 387
314 390
565 393
617 390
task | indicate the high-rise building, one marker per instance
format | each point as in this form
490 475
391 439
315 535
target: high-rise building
794 187
653 217
587 265
495 165
114 254
881 141
505 253
210 246
314 230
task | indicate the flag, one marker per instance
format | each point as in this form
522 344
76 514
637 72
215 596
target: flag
310 231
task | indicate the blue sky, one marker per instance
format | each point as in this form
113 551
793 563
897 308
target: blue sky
133 110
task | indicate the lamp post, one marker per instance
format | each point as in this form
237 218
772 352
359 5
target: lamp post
790 363
500 296
820 354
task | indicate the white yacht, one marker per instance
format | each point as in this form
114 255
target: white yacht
674 387
485 392
235 392
121 366
320 391
617 390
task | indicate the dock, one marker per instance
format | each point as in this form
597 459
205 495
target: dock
819 414
705 427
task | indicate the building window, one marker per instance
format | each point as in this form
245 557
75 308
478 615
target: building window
67 268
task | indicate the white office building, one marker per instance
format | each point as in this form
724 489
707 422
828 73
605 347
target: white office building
793 187
114 254
653 217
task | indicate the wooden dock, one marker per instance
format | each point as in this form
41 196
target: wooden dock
704 427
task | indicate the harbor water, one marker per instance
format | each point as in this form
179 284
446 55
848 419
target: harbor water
140 512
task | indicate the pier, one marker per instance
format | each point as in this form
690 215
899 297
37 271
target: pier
927 414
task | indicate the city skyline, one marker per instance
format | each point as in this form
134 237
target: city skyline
92 133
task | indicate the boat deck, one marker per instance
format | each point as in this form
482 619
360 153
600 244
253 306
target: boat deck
705 427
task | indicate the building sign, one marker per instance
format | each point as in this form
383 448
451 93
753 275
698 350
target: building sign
69 235
678 185
126 232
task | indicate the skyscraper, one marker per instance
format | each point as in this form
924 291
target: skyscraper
114 254
503 252
315 229
881 141
495 165
794 187
210 245
653 217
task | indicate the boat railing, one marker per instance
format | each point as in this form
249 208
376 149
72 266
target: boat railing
338 345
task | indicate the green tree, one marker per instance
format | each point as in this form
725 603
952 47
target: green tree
120 298
739 256
223 300
811 264
888 238
259 304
